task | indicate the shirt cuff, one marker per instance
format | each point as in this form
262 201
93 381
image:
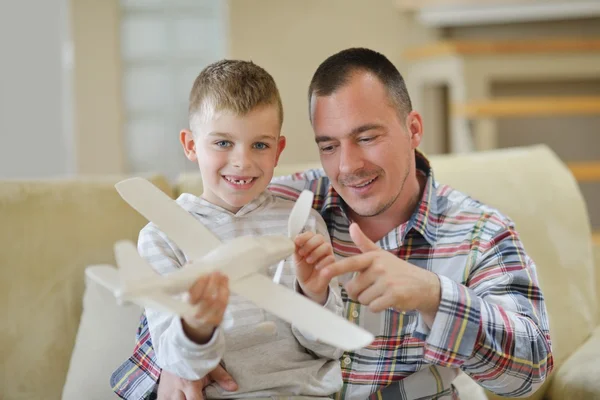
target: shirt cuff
329 303
455 330
189 346
190 360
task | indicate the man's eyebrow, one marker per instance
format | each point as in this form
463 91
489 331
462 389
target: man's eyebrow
363 128
354 132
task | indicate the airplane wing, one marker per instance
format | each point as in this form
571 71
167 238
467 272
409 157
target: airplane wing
302 312
192 237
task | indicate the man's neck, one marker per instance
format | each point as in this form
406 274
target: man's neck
378 226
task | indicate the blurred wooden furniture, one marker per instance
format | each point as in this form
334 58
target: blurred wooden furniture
468 69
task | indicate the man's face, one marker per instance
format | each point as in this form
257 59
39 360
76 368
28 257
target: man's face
366 149
236 154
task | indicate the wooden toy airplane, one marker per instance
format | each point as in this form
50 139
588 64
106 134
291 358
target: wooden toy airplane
241 259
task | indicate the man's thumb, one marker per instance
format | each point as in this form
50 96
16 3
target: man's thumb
361 240
223 379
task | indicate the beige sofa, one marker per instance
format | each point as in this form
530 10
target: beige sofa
52 230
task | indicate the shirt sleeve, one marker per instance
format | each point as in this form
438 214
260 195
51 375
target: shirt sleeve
334 304
495 328
175 352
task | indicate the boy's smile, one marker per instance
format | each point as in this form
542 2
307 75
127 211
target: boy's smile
240 182
236 153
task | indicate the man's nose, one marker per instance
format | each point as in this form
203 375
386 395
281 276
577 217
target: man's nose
350 159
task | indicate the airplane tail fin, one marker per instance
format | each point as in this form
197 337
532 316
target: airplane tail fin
133 269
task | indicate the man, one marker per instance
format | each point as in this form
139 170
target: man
442 280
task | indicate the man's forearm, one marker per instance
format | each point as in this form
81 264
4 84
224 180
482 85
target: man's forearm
506 352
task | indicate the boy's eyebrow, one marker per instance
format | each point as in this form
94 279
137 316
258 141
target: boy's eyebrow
229 136
266 137
356 131
220 134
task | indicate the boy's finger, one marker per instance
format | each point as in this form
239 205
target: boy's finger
303 238
330 259
212 288
311 244
223 297
323 250
202 308
198 288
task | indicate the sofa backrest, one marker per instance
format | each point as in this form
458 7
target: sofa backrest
50 231
537 191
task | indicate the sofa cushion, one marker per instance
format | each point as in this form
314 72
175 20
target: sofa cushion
105 339
578 376
50 231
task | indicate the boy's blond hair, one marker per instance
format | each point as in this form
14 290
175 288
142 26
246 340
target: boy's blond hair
232 85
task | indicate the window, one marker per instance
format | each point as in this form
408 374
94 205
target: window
164 45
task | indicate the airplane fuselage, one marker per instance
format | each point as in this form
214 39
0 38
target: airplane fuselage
237 258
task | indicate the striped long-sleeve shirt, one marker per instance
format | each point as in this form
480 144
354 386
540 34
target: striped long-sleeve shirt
265 355
492 320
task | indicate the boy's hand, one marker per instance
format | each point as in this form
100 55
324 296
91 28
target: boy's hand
211 294
313 253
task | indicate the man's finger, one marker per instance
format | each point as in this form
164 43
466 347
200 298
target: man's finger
193 393
359 262
360 283
223 379
369 294
381 303
361 240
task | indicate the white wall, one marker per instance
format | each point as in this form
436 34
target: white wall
35 141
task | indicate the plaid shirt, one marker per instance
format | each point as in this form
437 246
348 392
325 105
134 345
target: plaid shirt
491 322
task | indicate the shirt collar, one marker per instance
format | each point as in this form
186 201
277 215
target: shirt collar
424 220
201 206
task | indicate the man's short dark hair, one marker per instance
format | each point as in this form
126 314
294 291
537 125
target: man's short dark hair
336 71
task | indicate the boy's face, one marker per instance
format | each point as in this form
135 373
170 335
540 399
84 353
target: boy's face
236 154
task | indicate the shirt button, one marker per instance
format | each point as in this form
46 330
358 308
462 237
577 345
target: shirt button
347 360
355 314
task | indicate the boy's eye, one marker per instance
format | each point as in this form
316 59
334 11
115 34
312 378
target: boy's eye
261 146
223 143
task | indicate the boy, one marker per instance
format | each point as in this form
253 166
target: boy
235 118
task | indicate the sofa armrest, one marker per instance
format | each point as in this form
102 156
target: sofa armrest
578 377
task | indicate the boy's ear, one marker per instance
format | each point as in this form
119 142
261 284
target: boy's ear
189 145
280 147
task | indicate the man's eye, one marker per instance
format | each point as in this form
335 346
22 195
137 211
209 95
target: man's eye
261 146
223 143
326 149
366 139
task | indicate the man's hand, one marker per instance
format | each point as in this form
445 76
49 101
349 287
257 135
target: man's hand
313 253
172 387
385 281
211 295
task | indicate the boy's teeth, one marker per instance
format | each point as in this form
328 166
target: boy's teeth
239 181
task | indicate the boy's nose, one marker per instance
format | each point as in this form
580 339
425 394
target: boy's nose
241 159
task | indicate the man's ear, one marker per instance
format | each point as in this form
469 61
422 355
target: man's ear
280 147
186 138
414 124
